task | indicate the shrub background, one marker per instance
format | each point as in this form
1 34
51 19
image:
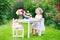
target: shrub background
8 9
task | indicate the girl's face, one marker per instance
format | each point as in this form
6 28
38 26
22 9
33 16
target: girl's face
38 12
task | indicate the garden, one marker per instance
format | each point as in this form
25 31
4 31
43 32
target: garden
51 14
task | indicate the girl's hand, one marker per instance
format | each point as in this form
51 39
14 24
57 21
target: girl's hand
38 19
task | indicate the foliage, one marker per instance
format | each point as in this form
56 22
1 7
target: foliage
48 7
8 9
19 4
5 10
57 20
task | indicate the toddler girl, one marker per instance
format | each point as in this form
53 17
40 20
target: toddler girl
38 26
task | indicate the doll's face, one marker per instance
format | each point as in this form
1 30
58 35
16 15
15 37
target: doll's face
38 12
15 21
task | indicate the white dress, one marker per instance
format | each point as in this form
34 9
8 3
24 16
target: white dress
16 25
39 25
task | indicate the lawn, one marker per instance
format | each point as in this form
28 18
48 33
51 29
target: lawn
6 33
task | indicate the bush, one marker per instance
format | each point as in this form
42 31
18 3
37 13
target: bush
57 20
8 10
47 8
5 10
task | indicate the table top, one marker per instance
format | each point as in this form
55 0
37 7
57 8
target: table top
27 20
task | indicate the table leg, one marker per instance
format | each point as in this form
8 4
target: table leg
28 29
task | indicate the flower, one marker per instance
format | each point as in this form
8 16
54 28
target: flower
20 12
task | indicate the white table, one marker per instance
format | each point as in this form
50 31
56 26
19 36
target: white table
27 21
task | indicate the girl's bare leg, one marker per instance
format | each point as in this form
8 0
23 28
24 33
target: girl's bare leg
33 31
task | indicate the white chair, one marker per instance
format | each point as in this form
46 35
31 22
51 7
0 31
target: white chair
42 27
17 28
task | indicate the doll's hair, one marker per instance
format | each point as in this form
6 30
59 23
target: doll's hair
39 9
16 20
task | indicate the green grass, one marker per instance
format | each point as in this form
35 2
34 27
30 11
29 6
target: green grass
6 33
